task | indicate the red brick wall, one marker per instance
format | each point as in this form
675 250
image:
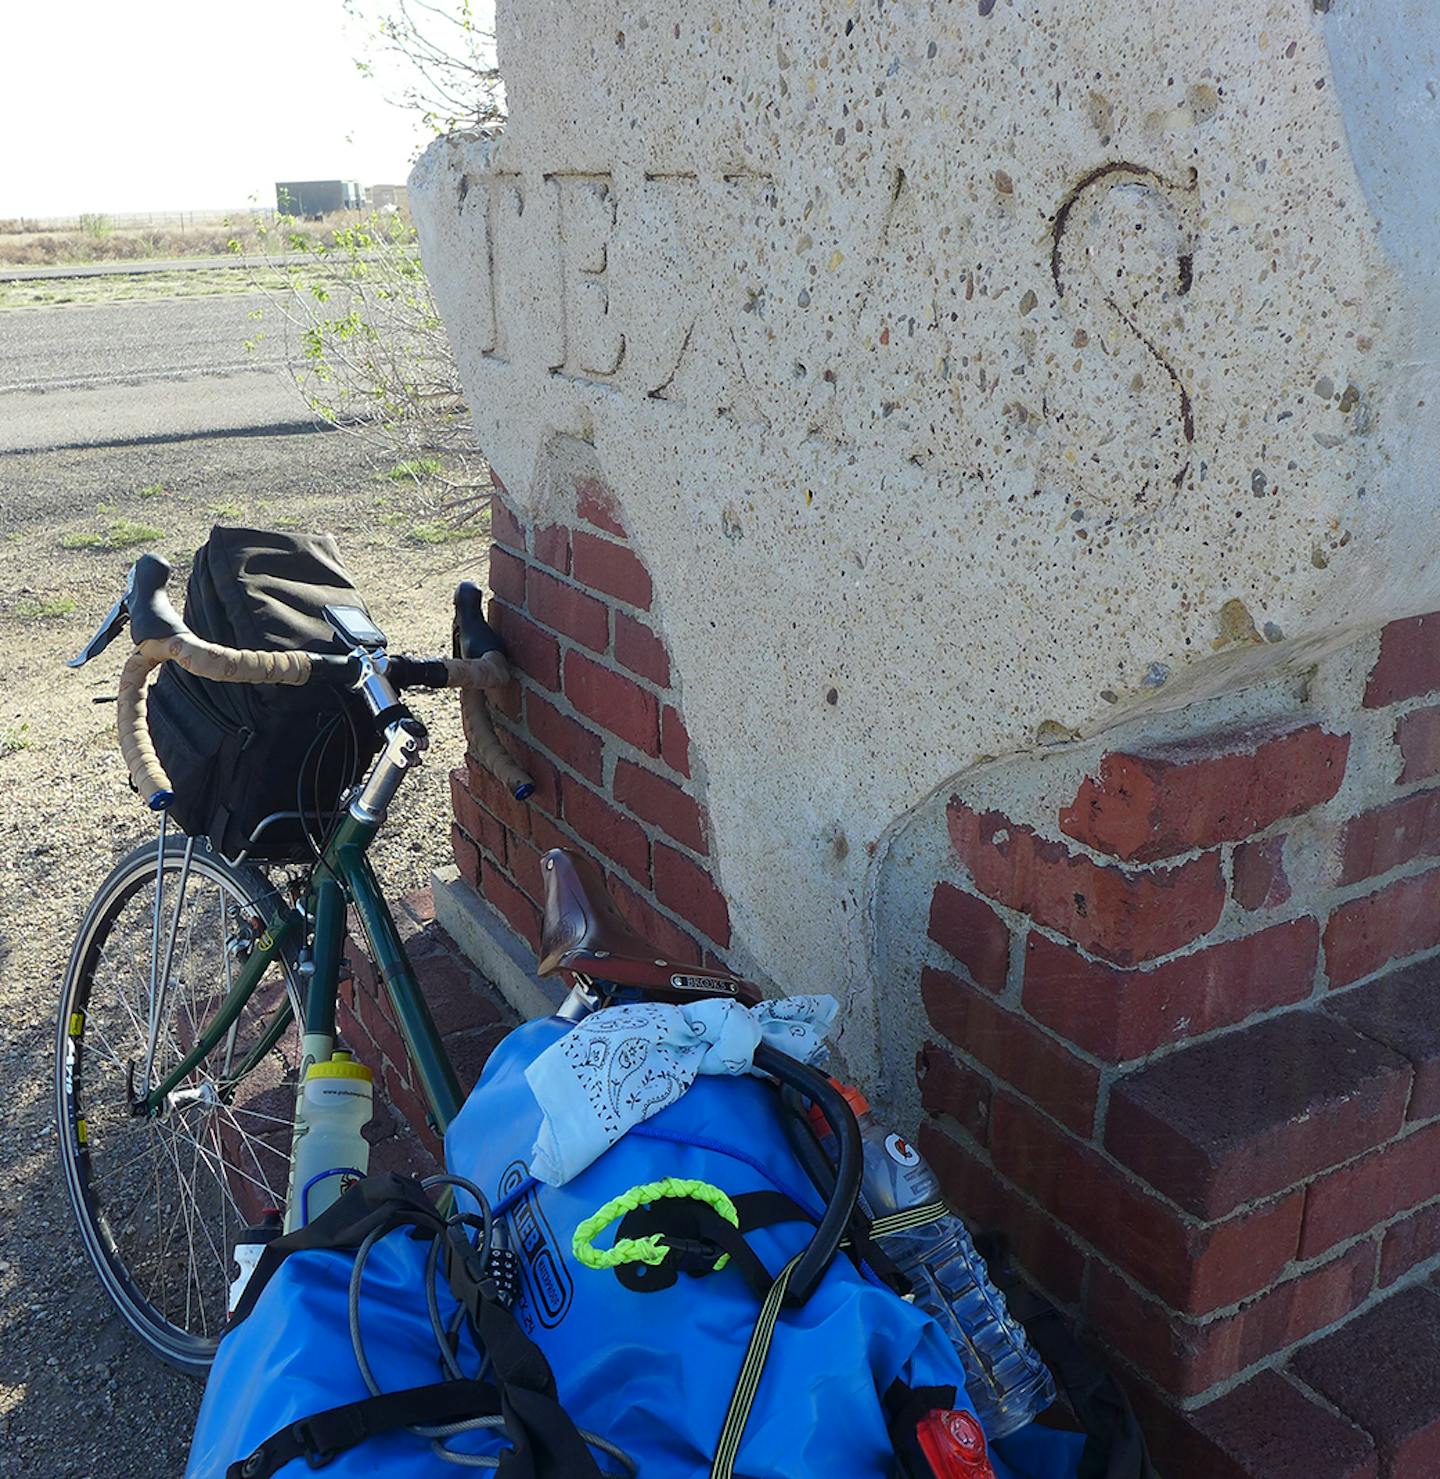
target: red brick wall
1185 1048
596 719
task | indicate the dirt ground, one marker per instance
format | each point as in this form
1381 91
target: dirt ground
78 1395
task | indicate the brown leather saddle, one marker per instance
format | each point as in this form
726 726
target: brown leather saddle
585 933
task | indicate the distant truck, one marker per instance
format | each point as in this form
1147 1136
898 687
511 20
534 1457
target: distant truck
315 198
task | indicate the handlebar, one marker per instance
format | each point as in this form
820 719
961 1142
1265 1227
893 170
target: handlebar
161 636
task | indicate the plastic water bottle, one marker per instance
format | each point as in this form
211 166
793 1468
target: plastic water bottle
249 1246
331 1155
1005 1378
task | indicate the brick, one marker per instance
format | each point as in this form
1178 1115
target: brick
674 741
482 826
468 1052
1143 807
987 1203
605 566
1252 1112
1186 1358
364 977
505 528
1012 1048
523 863
1266 1428
615 836
1119 1015
1371 1190
531 650
456 994
1401 919
1411 1241
542 772
1383 1372
522 916
1418 735
614 702
466 855
1403 1012
970 930
1123 915
1194 1267
507 576
639 649
552 547
949 1087
595 503
1388 836
404 1155
1409 662
565 737
496 799
380 1026
670 941
408 1106
662 803
419 904
691 892
1258 874
567 609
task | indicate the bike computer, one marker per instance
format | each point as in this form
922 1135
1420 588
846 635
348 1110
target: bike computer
355 627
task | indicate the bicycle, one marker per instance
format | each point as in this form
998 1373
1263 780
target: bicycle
199 990
204 1061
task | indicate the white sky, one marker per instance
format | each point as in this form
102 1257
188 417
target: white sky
135 105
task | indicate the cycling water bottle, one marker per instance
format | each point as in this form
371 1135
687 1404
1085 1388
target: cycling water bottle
1005 1378
331 1154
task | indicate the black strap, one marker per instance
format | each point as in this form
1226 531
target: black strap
384 1201
904 1406
326 1435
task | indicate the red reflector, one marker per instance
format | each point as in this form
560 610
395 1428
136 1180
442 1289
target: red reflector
954 1444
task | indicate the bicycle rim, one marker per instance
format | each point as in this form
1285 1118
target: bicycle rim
159 1201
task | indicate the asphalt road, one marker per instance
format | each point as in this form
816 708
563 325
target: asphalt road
118 373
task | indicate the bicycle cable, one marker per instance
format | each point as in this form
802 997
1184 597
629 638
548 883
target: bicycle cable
484 1246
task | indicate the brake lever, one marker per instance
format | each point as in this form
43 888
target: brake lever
108 630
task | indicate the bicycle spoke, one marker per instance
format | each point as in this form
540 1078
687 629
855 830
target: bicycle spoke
167 1196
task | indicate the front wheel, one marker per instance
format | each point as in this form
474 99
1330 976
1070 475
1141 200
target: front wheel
160 1200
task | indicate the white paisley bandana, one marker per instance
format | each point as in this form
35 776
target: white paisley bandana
622 1065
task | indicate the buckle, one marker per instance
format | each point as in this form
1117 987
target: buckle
691 1255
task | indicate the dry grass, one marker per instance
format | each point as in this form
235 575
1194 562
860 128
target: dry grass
101 240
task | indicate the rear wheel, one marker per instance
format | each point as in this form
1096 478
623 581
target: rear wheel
160 1200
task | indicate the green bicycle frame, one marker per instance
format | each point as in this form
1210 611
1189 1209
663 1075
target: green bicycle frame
342 876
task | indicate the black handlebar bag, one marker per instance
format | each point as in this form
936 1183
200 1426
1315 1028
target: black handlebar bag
238 754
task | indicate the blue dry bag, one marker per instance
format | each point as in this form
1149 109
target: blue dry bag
690 1367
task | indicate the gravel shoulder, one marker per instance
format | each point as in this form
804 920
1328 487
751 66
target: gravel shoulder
79 1396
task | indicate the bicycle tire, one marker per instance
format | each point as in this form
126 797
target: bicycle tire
237 1152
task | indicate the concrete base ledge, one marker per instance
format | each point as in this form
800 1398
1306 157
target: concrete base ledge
492 945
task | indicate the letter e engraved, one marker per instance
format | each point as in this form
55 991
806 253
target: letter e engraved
594 345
